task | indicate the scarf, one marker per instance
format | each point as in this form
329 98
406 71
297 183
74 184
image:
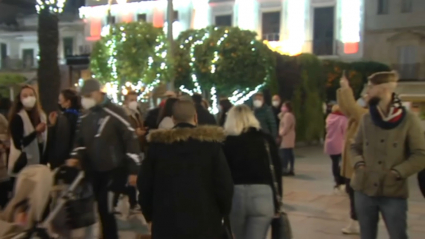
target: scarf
396 114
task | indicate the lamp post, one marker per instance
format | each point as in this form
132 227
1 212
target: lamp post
110 13
170 21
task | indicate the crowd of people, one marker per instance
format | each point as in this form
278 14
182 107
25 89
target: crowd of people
187 170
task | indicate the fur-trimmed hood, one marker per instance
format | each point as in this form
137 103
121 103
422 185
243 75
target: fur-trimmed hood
201 133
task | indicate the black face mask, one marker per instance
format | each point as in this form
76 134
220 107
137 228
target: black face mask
61 108
374 101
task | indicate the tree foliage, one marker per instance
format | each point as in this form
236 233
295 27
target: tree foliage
134 52
225 57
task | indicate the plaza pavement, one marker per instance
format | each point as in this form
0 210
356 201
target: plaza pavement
316 212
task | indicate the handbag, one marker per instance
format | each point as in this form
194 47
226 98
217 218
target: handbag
281 227
21 162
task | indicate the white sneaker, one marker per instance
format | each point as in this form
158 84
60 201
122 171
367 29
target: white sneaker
352 228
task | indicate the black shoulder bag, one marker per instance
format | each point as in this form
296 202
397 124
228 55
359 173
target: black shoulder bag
281 227
21 161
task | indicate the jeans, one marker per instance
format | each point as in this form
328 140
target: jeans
393 210
287 157
252 211
350 192
336 170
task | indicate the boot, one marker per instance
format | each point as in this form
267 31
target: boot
352 228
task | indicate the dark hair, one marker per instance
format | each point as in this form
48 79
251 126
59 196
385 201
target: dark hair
197 98
72 96
226 105
167 110
288 106
18 106
131 93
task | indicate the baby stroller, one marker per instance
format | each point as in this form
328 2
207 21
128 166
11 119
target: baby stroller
24 217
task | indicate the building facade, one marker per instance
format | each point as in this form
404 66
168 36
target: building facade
327 28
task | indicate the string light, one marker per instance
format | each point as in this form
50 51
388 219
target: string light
54 6
214 108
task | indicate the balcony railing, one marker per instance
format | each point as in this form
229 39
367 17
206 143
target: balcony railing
408 71
19 64
271 36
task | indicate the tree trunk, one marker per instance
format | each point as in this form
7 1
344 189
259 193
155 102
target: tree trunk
48 73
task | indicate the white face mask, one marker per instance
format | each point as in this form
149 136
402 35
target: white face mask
276 103
258 103
87 103
133 105
29 102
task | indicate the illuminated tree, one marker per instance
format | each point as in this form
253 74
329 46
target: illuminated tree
225 61
134 54
48 40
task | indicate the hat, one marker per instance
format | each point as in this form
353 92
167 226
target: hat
169 93
383 77
90 86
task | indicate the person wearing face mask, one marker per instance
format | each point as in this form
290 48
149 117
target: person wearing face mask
276 105
151 121
265 116
108 150
62 128
287 133
388 148
27 130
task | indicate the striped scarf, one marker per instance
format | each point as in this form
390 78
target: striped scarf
395 116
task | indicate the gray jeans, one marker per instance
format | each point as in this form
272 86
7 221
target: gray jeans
393 210
252 211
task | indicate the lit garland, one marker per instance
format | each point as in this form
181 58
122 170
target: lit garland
54 6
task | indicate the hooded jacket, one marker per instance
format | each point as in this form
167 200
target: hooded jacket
105 140
336 126
185 183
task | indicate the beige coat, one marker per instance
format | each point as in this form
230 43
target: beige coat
354 112
401 149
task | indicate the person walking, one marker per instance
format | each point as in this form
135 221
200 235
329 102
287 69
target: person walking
336 125
107 148
132 110
247 150
63 126
27 130
354 112
287 134
185 183
204 116
224 105
389 148
264 115
151 121
165 120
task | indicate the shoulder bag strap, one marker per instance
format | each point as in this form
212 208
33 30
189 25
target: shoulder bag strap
275 185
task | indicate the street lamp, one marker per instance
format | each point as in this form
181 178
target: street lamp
110 13
170 21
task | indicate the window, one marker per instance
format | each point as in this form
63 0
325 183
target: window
3 55
176 16
68 46
141 17
271 26
383 6
406 6
408 66
323 32
28 58
223 21
112 21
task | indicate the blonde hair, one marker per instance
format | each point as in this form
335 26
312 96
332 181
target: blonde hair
239 119
335 108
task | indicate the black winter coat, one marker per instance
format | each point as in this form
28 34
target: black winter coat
185 183
61 138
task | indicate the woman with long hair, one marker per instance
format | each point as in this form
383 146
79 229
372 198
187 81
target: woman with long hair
287 134
225 105
62 128
27 129
248 151
165 120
